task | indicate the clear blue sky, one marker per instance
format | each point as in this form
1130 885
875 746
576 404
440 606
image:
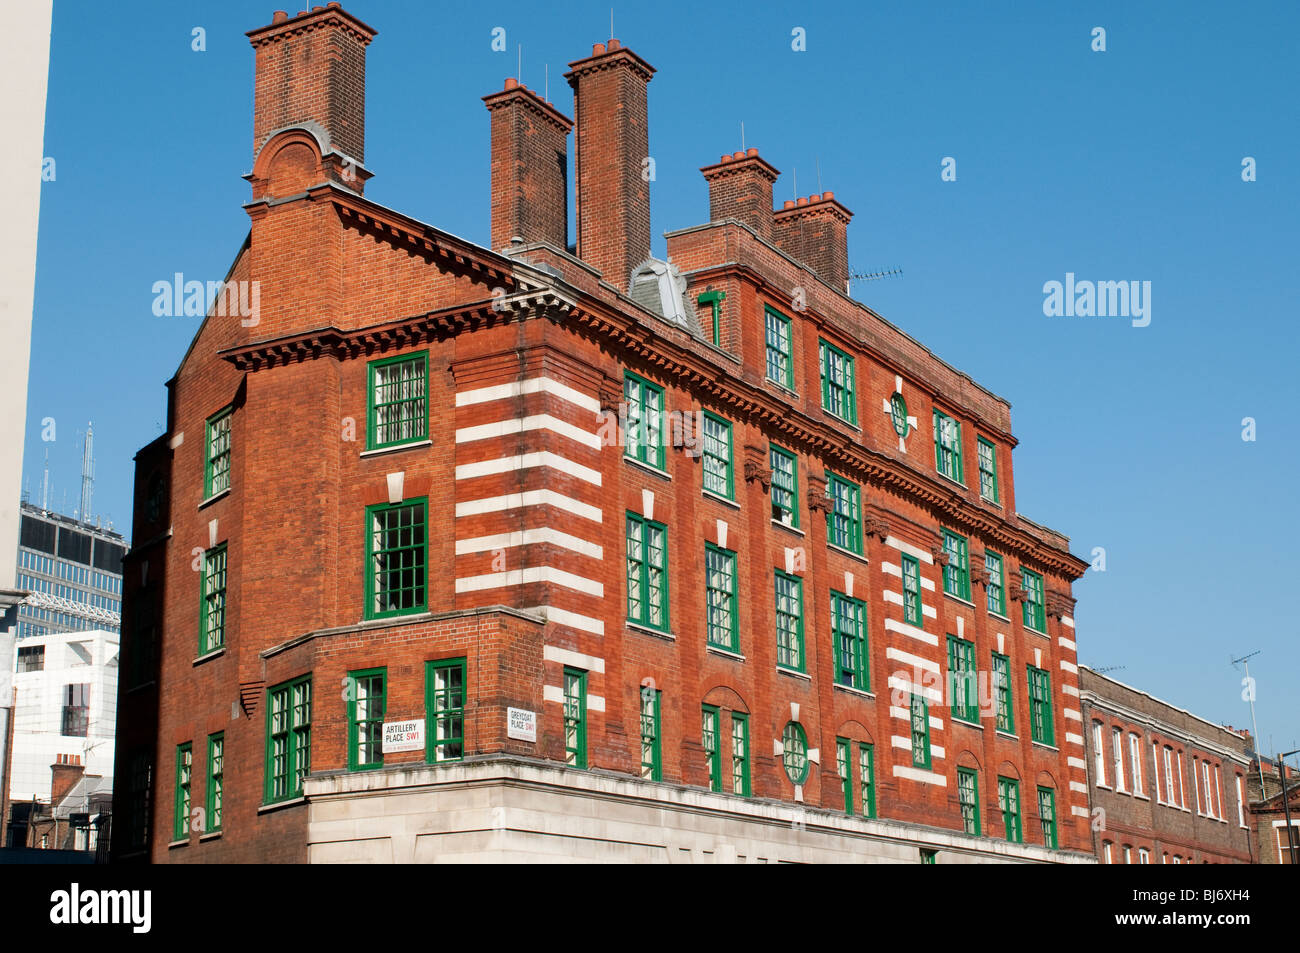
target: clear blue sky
1122 165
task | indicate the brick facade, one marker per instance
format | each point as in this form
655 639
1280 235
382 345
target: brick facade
528 489
1152 795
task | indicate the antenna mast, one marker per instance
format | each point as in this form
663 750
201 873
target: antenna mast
1254 727
87 473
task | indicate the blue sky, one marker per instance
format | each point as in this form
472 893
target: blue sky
1115 165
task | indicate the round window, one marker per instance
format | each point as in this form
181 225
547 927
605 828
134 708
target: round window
794 745
898 411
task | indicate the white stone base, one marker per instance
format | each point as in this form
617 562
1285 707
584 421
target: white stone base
509 810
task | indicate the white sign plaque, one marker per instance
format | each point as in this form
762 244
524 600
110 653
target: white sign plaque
521 724
404 735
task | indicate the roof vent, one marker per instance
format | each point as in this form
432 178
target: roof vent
659 287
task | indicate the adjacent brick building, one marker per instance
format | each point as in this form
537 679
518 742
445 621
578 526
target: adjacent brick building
1167 787
656 560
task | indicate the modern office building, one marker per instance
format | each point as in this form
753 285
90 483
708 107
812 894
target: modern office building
73 570
66 704
1167 786
529 551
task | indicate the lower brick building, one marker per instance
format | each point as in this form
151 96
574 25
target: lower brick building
1166 787
566 552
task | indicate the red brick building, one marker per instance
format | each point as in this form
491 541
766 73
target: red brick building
637 559
1168 787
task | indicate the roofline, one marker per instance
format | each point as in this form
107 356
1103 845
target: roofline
1204 721
853 301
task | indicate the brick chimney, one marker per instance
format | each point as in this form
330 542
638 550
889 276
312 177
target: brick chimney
814 230
740 187
64 773
311 69
612 145
530 168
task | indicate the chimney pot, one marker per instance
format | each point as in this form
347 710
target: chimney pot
725 159
753 151
511 82
614 44
802 201
279 16
789 203
828 195
738 154
597 49
814 198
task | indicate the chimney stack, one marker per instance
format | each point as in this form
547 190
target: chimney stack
814 230
311 70
613 146
530 168
64 773
740 187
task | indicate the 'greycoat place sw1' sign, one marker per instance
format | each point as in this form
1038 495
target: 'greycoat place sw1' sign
404 735
521 724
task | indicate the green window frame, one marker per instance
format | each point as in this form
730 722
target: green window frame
1047 816
397 400
988 464
844 517
216 780
212 603
647 572
722 605
995 590
184 781
397 558
785 486
652 767
1035 616
788 592
216 459
714 299
843 753
968 797
947 446
1009 804
839 392
444 704
288 738
367 704
956 574
920 716
867 778
712 749
1041 728
644 436
912 611
929 856
849 639
719 471
575 717
1006 712
777 337
794 752
740 754
963 687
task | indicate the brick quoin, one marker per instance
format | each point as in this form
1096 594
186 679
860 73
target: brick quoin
527 346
